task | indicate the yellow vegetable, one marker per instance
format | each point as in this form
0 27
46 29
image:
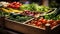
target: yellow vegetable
10 10
5 10
14 10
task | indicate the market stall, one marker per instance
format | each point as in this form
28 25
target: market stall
29 18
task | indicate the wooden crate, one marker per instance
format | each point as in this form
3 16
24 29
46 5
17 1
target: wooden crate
24 28
28 29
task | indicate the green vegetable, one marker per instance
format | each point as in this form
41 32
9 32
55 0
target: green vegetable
52 16
34 7
19 18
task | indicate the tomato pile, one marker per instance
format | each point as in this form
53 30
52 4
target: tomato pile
14 5
41 22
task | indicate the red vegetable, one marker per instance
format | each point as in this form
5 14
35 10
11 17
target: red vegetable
14 5
44 21
38 23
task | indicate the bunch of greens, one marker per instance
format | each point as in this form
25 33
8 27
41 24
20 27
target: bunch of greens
30 7
34 7
19 18
52 16
43 8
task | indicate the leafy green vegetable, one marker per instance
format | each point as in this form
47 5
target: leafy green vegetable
19 18
34 7
52 16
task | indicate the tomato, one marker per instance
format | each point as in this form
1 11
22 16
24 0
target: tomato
40 20
44 21
17 6
18 3
38 23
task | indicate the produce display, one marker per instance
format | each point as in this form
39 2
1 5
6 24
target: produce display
19 18
19 12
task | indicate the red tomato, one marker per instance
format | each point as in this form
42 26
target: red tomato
18 3
15 4
18 6
15 7
40 20
44 21
38 23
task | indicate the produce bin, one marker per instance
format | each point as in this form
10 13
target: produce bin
23 28
27 29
